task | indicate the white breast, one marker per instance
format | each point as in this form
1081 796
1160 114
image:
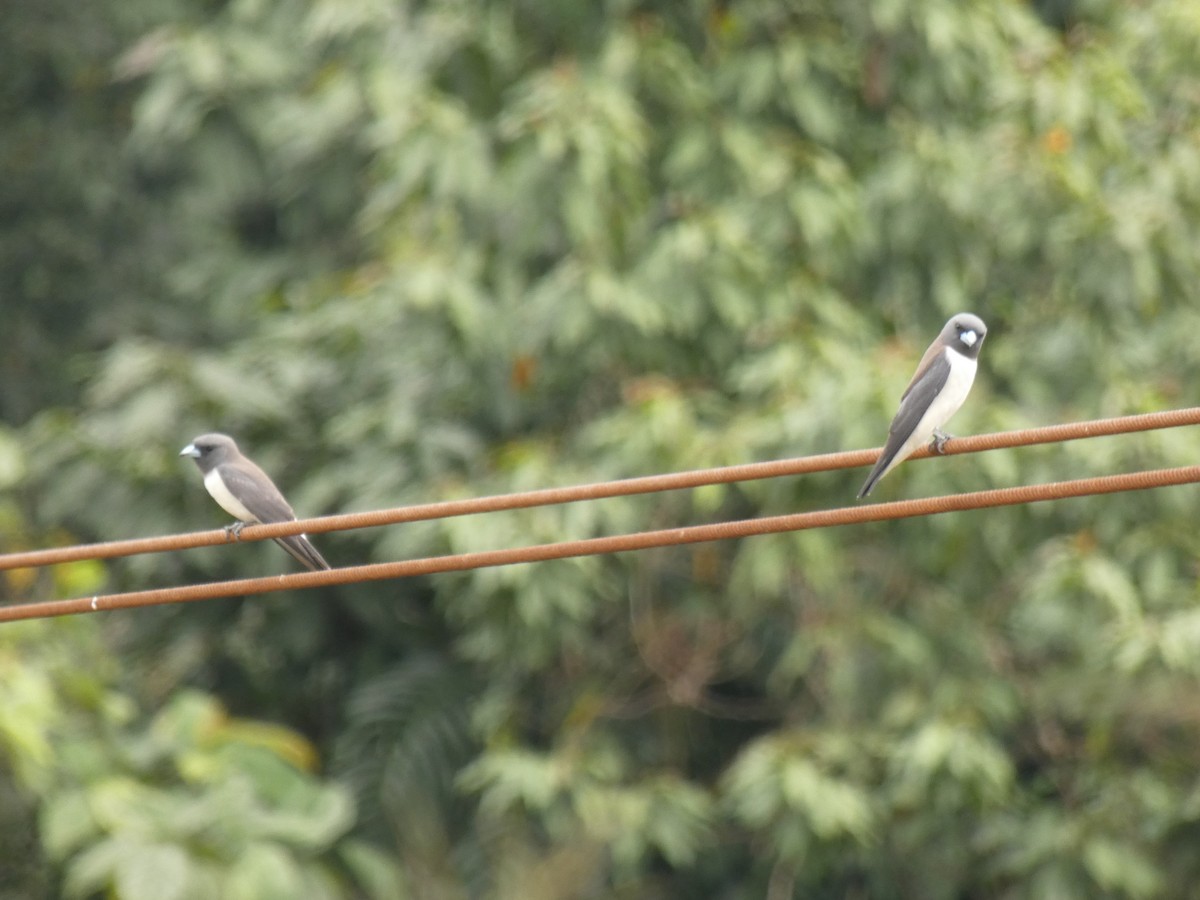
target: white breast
231 504
944 405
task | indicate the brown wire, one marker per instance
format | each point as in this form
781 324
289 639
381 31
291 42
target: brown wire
601 490
849 515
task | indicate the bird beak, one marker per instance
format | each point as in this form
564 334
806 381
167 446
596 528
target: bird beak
969 338
190 450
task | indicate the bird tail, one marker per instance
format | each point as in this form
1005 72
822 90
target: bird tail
882 465
299 546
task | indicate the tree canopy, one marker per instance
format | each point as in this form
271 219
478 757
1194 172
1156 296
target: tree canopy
410 251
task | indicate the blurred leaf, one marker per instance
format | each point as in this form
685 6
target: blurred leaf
152 871
264 871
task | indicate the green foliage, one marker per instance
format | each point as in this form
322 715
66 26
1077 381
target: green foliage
197 805
417 251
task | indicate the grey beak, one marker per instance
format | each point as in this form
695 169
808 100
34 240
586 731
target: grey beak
190 450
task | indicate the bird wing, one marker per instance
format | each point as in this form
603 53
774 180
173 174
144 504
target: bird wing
927 383
931 376
256 492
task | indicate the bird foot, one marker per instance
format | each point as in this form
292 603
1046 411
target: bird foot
234 531
940 439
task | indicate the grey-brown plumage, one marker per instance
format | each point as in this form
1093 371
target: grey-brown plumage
935 393
246 492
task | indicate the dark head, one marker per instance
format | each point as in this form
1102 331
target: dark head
210 450
965 333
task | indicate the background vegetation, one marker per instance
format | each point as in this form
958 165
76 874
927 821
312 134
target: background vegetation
410 251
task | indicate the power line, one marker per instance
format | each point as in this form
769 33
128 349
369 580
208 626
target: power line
601 490
850 515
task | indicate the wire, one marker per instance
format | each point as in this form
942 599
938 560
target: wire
601 490
849 515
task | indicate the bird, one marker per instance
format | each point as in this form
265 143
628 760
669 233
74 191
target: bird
935 393
246 492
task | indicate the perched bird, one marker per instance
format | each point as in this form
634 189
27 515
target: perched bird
938 388
245 492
